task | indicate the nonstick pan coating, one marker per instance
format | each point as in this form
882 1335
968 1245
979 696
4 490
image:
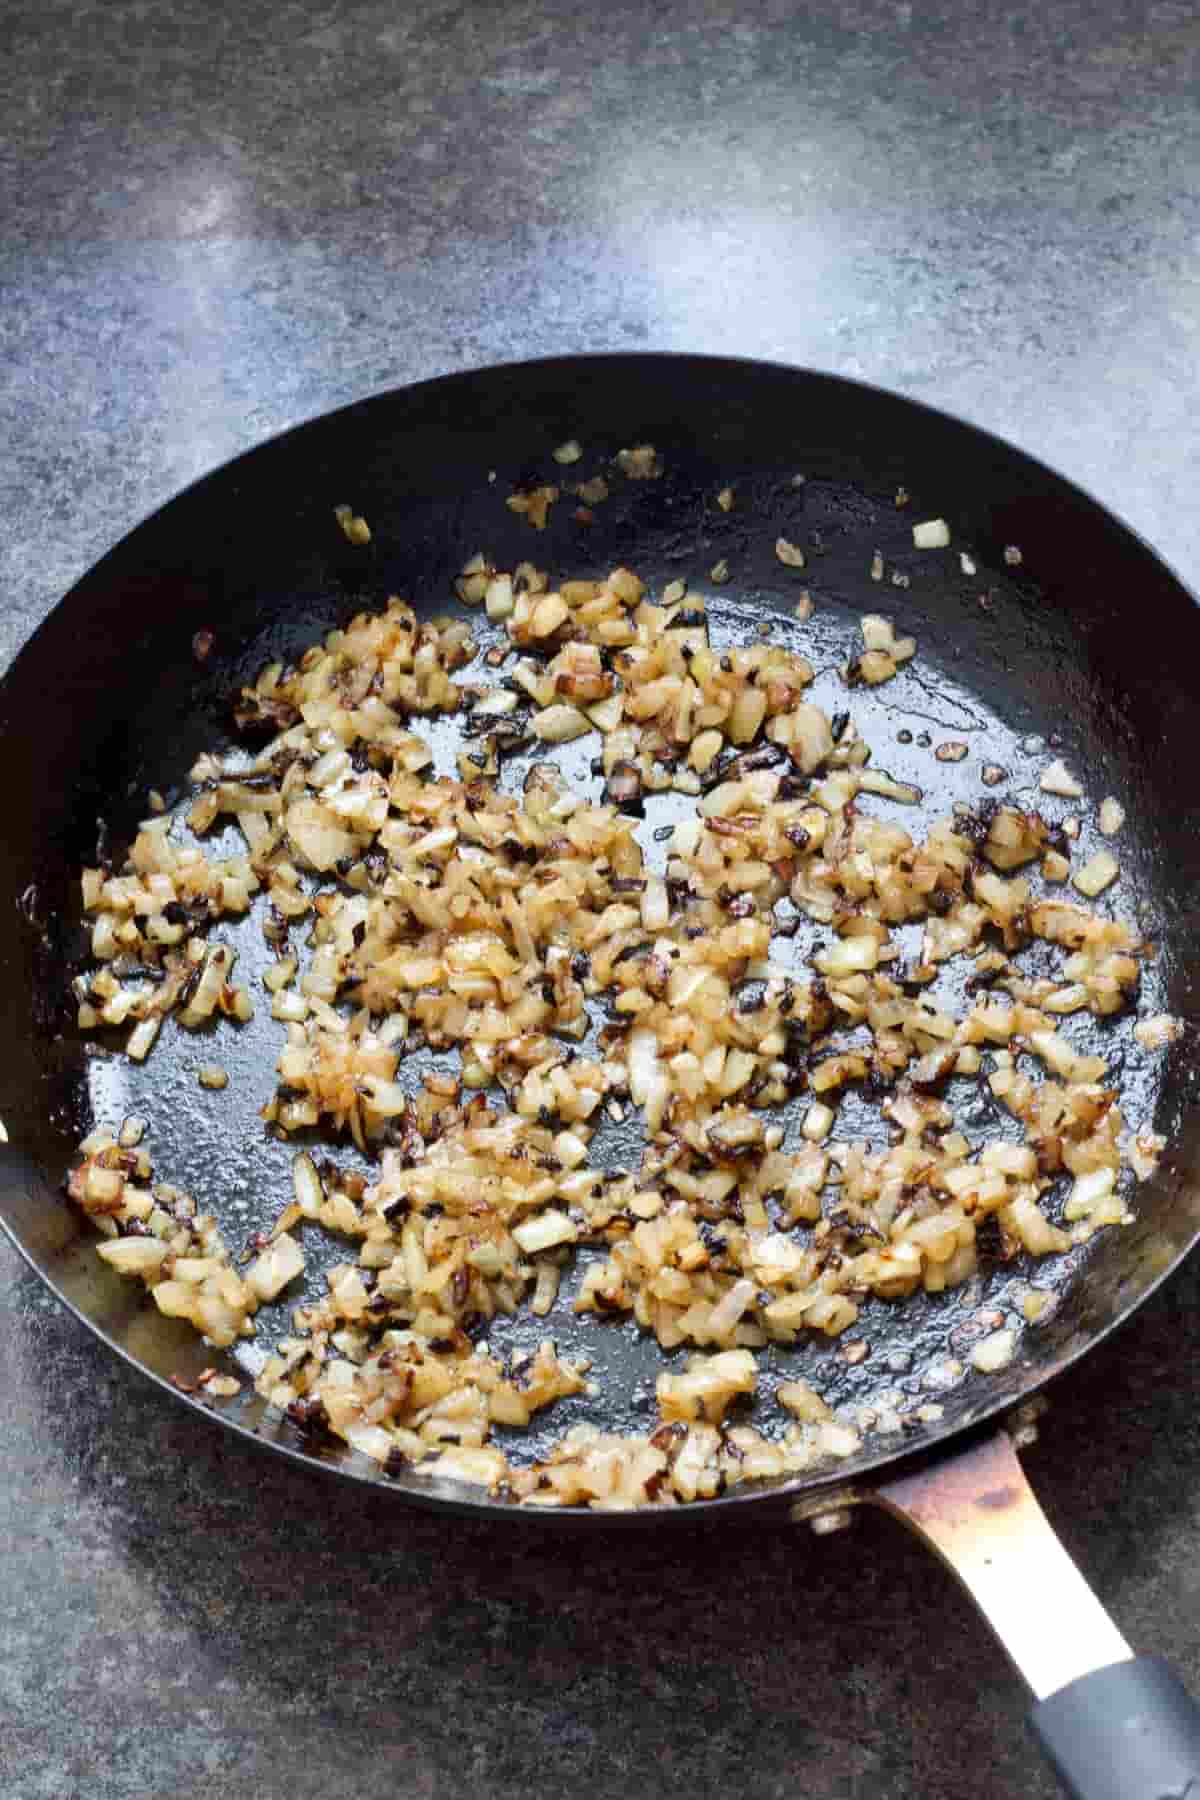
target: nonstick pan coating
1087 648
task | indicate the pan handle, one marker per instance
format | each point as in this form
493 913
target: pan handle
1115 1726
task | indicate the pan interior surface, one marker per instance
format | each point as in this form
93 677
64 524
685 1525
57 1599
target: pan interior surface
1085 648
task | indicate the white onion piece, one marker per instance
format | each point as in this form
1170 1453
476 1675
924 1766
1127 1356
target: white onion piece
1158 1031
994 1352
1058 779
317 835
648 1083
306 1185
544 1232
135 1256
1097 874
1112 816
274 1267
656 907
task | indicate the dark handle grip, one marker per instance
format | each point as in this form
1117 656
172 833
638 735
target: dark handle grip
1127 1732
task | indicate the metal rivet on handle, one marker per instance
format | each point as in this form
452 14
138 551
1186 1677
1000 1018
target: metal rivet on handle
825 1513
1022 1423
823 1523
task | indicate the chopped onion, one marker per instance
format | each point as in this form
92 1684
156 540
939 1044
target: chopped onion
280 1262
496 702
498 597
545 1231
818 1122
1157 1032
355 528
1112 816
135 1256
1056 778
878 781
1098 873
994 1352
647 1081
318 835
656 908
558 724
306 1185
141 1038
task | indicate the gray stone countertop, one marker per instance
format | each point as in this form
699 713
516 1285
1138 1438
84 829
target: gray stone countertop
216 222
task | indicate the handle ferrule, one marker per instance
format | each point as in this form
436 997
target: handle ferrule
1128 1732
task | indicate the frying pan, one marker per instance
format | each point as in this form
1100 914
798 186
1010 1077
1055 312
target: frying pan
1060 633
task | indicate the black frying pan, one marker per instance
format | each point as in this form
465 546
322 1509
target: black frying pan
1086 648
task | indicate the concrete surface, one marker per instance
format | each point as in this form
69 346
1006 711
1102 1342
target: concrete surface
215 223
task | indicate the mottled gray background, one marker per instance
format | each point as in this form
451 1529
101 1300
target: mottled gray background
215 222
